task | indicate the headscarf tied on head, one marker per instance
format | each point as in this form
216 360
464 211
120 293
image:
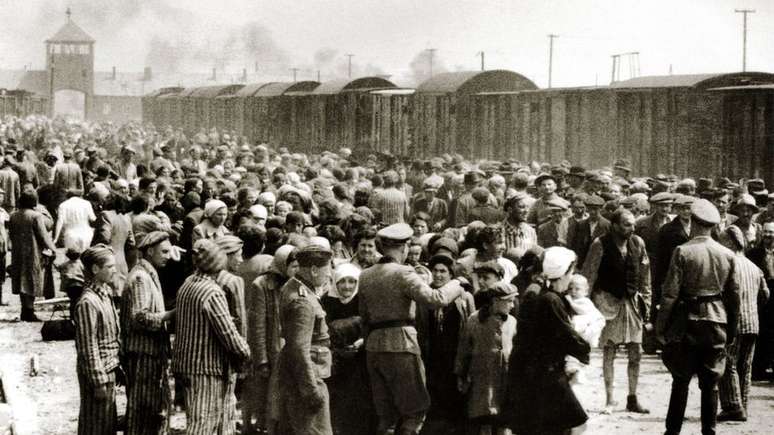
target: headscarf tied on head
208 257
344 270
212 206
95 255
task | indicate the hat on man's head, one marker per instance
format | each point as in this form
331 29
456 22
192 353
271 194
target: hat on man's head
314 254
208 257
395 233
684 200
501 290
594 201
557 204
543 177
490 267
745 200
623 165
662 198
152 238
577 171
705 211
755 185
444 243
480 194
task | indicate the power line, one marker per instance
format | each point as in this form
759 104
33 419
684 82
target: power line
551 38
744 13
432 53
349 65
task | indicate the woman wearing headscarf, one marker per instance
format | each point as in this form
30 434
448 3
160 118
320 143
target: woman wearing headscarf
540 399
441 329
348 386
263 336
213 221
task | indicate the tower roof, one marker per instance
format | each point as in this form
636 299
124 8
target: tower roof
70 32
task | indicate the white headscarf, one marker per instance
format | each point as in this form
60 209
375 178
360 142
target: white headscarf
213 206
344 270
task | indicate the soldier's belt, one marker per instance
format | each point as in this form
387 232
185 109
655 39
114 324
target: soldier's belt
391 324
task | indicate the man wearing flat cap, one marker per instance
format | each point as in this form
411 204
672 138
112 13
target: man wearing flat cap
698 317
466 202
580 234
671 235
554 231
305 361
428 202
389 292
541 210
146 344
233 284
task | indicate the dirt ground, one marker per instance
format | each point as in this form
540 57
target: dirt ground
48 403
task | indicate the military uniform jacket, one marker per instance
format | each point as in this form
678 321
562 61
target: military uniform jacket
701 285
306 357
389 292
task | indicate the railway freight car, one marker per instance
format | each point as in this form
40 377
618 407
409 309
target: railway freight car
268 115
335 114
206 107
677 124
391 122
152 110
442 118
234 107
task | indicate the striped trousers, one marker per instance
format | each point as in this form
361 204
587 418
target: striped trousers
148 396
210 404
97 416
734 386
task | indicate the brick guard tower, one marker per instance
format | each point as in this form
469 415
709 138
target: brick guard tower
70 63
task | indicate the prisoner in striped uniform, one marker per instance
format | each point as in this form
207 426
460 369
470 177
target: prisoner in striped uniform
734 386
145 340
206 342
233 285
97 344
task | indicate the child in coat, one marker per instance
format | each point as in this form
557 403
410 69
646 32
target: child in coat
482 359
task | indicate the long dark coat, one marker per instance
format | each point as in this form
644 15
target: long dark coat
540 398
29 237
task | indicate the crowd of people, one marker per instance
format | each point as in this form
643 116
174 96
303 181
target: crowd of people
264 291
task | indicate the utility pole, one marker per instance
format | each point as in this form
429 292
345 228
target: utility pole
432 52
318 76
744 13
295 71
349 65
551 38
481 53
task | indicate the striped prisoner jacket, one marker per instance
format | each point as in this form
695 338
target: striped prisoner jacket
96 334
206 338
142 309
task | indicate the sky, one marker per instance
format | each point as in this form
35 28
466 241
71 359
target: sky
392 37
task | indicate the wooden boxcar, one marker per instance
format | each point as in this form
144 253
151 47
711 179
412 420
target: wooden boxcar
441 109
336 114
269 112
235 108
205 106
151 105
391 121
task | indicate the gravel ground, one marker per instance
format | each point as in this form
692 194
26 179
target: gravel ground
48 403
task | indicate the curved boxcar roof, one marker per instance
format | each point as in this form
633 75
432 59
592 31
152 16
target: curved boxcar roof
698 81
186 92
281 88
163 91
362 83
214 91
471 82
251 89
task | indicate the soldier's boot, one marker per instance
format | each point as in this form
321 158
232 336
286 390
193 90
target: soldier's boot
709 410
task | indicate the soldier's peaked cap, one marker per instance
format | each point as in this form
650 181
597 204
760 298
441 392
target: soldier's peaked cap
313 255
705 211
396 233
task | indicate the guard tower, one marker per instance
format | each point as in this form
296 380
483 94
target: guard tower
70 64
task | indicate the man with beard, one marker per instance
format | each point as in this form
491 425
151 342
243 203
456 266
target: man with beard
698 317
516 232
763 257
618 271
364 244
146 345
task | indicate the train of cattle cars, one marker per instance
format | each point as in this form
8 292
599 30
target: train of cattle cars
703 125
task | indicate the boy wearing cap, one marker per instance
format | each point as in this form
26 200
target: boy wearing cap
389 293
698 317
554 232
305 361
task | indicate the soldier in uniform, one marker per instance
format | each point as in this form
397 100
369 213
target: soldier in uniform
389 292
698 316
146 342
305 361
